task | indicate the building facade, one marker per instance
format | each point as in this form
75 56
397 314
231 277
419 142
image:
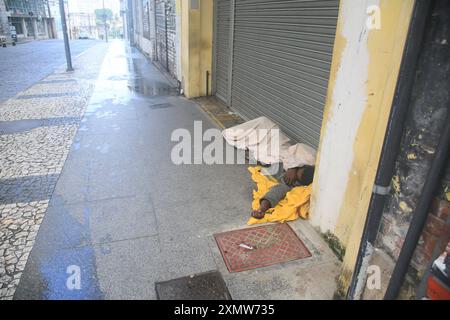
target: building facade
154 27
31 19
82 24
82 20
336 75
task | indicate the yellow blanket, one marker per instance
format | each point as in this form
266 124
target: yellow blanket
294 205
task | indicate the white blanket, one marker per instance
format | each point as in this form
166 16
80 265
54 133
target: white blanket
268 144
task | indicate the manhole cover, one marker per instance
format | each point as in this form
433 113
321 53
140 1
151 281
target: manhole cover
204 286
260 247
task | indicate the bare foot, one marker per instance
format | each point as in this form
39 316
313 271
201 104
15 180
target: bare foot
258 214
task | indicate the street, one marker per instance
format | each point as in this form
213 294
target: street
25 64
95 192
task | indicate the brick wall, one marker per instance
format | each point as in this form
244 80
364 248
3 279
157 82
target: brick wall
434 238
428 109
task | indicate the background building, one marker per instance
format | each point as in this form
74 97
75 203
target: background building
82 24
32 19
83 18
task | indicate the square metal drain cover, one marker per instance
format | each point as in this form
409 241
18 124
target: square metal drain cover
259 247
203 286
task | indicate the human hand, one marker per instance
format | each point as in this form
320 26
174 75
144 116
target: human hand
290 176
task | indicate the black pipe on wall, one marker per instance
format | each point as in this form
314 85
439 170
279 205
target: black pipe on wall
392 140
207 83
420 214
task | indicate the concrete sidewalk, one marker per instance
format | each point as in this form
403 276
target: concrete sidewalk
127 216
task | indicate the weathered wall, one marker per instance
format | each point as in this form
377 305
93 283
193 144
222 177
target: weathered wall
196 46
429 105
147 46
363 77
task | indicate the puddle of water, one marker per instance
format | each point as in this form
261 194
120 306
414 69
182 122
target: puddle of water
126 77
142 86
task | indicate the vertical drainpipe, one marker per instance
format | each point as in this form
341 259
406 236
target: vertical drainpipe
420 214
391 144
214 50
207 83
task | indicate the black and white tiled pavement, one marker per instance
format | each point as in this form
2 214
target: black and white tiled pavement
37 128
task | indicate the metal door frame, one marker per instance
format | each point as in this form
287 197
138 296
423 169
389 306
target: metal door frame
167 36
230 50
214 50
156 32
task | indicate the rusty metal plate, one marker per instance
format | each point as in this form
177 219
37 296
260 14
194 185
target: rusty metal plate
259 247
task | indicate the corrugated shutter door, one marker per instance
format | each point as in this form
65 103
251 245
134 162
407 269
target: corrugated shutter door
171 37
222 48
161 33
282 58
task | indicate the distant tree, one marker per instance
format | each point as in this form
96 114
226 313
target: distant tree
102 15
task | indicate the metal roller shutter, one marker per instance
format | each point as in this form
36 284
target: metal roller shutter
171 37
166 35
161 34
281 62
222 49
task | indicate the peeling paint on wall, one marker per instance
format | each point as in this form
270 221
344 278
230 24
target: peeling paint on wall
429 105
344 114
361 88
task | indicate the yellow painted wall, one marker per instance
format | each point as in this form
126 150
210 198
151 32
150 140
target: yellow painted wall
196 46
363 78
386 50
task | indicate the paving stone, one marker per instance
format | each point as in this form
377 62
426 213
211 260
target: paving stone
33 149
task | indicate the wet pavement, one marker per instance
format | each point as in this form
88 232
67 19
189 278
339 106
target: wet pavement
122 216
37 128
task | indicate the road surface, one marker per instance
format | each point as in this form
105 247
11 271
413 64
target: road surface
25 64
